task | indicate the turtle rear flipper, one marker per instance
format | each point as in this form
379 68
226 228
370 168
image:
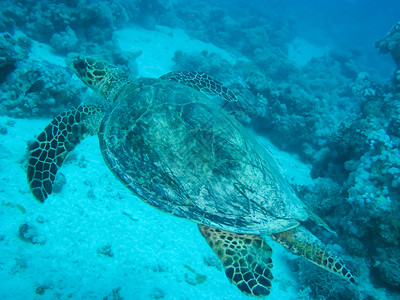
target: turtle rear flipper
52 145
201 82
246 259
302 242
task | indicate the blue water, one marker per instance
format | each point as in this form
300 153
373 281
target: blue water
312 86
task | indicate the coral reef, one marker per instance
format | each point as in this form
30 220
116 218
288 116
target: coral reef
363 156
76 26
44 89
389 269
205 62
11 52
323 196
84 27
391 44
88 20
38 88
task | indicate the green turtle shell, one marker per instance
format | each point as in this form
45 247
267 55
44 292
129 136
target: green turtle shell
180 152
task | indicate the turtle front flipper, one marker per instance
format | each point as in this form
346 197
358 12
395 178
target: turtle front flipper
52 145
302 242
201 82
246 259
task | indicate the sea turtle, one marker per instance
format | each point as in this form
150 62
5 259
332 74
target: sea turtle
178 150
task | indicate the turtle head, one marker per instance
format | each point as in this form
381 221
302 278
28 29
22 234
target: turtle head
106 79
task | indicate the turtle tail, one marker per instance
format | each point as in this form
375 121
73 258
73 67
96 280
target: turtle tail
302 242
49 150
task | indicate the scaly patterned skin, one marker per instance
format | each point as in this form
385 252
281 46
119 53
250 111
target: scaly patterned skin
201 82
49 150
106 79
246 259
302 242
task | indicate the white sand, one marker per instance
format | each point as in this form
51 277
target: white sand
302 51
296 171
92 211
159 46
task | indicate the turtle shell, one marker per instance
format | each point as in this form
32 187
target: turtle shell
179 151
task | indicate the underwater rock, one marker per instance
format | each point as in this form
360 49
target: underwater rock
6 24
9 14
41 290
323 285
30 233
391 43
389 268
59 182
363 86
105 251
157 293
347 62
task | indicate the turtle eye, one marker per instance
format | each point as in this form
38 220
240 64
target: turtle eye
82 65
